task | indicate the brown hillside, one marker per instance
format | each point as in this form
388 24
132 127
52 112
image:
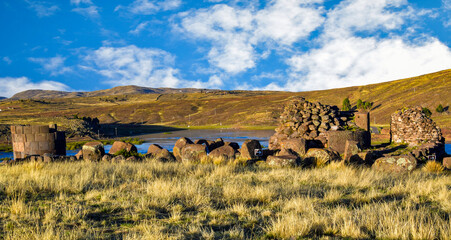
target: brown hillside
229 108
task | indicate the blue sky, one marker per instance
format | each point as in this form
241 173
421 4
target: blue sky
293 45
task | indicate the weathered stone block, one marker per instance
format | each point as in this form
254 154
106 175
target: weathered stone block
397 164
351 148
337 139
154 149
226 152
120 146
93 151
298 145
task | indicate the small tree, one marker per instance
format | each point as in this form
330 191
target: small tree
440 108
426 112
360 104
346 105
367 105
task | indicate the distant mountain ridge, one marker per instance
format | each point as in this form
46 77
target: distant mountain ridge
121 90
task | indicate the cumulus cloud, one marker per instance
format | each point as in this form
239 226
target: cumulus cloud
11 86
43 9
235 32
55 65
357 61
149 7
78 2
133 65
7 60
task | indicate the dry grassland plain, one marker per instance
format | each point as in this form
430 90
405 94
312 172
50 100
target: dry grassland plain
153 200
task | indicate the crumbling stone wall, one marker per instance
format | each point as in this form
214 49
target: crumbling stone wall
37 140
412 126
308 120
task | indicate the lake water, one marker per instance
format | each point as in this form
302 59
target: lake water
167 140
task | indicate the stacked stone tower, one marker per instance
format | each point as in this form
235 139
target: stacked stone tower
37 140
412 126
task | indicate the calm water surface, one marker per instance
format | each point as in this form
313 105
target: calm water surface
167 140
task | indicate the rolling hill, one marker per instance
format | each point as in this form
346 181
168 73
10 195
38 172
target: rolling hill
216 108
49 94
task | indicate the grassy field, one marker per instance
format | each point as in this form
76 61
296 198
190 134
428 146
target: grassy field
152 200
233 109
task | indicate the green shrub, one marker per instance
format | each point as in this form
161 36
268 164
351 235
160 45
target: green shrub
440 108
426 112
346 105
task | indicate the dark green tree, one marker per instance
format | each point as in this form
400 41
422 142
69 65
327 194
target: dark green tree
426 112
346 105
440 108
367 105
360 104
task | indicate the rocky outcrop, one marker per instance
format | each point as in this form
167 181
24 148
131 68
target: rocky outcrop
412 126
396 164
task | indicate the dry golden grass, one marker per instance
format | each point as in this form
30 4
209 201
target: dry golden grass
151 200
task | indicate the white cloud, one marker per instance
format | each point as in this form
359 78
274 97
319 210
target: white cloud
11 86
358 61
78 2
89 12
235 32
352 16
139 28
43 9
133 65
446 5
7 60
149 7
54 65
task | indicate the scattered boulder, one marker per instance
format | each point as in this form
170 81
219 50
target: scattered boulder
93 151
248 149
179 145
366 157
107 157
118 158
119 146
164 156
154 149
282 161
226 152
132 159
297 145
234 145
351 149
396 164
216 144
320 157
47 157
193 153
426 150
447 162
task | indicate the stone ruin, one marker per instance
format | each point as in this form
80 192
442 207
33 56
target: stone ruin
321 125
412 126
37 140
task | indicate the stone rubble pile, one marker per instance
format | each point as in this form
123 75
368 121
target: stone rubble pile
412 126
308 120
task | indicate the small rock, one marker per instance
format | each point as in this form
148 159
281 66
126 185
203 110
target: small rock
79 155
107 158
320 157
164 156
154 149
282 161
132 159
447 162
118 159
226 152
351 149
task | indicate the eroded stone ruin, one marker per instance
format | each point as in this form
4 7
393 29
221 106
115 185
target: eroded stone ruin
412 126
320 124
37 140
